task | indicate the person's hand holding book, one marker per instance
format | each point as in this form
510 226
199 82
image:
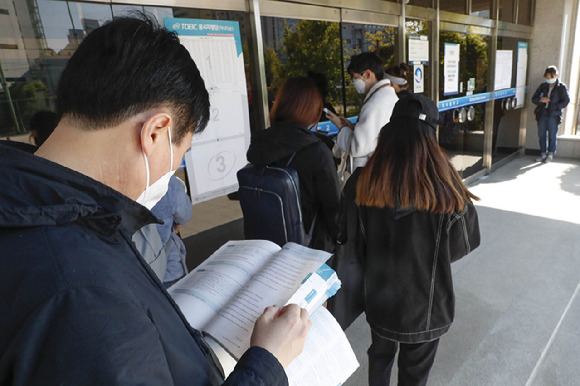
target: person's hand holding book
282 331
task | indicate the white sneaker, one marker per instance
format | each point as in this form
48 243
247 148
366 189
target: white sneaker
541 158
549 158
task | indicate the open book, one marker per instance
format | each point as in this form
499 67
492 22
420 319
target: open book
227 293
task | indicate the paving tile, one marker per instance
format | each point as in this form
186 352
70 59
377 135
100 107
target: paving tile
562 363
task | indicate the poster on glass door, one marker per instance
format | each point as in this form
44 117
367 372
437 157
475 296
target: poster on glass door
451 69
503 69
220 150
521 70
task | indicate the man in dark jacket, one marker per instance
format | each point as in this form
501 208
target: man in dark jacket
550 97
78 304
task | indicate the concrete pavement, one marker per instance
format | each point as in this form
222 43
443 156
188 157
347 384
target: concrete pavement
517 304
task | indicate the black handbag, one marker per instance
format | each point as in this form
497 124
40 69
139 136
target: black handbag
349 302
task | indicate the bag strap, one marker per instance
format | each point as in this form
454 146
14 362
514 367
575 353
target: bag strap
316 215
374 92
312 225
290 159
347 158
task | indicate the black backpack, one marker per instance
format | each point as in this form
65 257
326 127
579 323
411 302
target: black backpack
270 201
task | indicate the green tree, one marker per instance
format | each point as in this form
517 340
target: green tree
273 68
382 43
28 98
314 46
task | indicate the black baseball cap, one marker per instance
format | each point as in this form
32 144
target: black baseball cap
419 107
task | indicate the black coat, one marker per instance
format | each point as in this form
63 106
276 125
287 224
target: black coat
407 256
78 304
319 189
559 99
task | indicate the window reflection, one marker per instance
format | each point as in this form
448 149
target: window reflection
47 35
295 47
421 3
481 8
457 6
506 11
525 12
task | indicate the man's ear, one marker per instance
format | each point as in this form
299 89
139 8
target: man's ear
154 132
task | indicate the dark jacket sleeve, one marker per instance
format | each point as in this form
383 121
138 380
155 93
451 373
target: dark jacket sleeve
563 96
463 232
536 97
257 367
90 335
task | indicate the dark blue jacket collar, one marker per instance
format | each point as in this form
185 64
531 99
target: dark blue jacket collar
36 192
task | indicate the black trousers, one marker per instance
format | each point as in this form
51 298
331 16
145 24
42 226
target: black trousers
415 361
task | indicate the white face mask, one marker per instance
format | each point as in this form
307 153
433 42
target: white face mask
158 189
359 85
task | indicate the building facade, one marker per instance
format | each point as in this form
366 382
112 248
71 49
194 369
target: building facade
486 113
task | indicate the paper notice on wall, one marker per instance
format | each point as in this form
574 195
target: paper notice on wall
418 49
503 69
451 69
220 150
521 72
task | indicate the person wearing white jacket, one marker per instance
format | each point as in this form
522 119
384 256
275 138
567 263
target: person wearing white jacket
360 139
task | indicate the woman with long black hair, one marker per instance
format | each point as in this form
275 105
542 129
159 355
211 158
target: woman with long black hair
414 217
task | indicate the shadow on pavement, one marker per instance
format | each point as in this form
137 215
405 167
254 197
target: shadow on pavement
200 246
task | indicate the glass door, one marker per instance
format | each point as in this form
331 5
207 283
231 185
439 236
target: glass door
462 92
418 41
508 109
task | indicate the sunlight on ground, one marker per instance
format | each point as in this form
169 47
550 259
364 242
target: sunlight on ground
550 190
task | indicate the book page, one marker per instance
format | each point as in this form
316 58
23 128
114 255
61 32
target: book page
205 291
327 358
273 285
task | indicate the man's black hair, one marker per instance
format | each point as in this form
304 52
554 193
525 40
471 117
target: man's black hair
127 66
366 61
551 70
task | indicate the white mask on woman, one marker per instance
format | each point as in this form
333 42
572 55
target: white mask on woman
152 194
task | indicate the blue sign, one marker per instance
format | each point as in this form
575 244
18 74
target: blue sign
200 27
455 103
418 75
329 127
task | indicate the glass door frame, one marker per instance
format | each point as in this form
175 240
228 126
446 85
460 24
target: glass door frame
365 11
